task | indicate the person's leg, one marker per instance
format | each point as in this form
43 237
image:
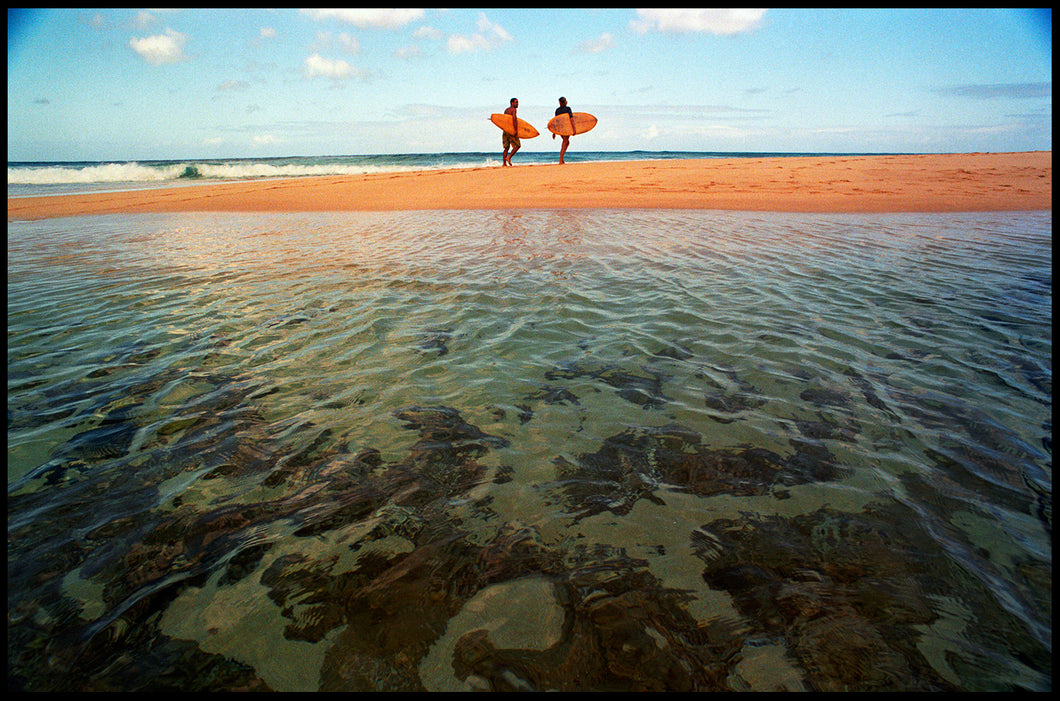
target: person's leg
563 148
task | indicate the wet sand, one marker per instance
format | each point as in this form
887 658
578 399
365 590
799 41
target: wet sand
916 183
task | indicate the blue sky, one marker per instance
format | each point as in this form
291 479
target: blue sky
173 84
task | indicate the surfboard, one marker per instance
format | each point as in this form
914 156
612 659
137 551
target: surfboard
504 121
560 124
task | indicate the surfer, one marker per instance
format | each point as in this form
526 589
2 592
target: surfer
563 109
511 140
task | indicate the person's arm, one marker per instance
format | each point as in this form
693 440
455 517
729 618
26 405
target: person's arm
515 125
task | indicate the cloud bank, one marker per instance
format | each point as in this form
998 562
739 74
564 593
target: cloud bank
712 21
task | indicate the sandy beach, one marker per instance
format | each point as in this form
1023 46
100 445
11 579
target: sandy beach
914 183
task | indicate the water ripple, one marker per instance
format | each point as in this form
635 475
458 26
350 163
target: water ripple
730 436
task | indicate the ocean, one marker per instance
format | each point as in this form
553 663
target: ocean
45 178
542 449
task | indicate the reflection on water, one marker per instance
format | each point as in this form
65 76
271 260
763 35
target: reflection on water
530 450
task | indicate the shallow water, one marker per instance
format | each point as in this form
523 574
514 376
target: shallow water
609 450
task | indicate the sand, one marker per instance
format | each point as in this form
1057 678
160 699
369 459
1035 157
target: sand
917 183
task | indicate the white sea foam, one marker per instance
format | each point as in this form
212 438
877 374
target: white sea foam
268 170
139 173
99 173
28 179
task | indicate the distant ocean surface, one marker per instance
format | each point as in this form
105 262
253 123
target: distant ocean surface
622 450
52 178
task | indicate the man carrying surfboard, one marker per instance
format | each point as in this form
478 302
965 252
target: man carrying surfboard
511 140
563 109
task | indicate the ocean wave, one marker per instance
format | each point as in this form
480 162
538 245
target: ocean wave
133 172
95 173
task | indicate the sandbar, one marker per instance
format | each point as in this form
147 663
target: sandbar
840 184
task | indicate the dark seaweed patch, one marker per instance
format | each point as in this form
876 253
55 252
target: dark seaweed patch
726 401
641 386
836 588
642 463
435 340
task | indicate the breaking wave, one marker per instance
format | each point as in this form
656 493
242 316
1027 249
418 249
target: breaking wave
136 172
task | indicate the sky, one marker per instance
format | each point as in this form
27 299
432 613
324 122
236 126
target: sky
128 84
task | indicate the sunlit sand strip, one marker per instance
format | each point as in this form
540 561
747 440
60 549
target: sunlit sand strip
917 183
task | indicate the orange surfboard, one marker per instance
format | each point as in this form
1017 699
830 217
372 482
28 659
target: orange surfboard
561 124
504 121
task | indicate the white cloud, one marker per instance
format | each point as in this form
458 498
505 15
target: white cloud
268 33
484 25
345 42
161 48
458 44
713 21
317 65
427 32
376 18
490 35
594 46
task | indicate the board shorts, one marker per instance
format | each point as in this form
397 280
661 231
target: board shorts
509 140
